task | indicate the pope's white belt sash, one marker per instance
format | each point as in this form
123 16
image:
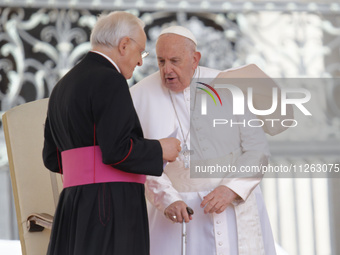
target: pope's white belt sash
180 176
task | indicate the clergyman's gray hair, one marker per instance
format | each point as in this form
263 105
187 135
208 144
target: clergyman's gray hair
111 28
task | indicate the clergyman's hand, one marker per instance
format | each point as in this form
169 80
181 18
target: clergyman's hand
218 199
171 148
177 211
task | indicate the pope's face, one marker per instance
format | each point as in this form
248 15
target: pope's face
177 61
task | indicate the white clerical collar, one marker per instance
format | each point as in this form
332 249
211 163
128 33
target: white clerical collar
109 59
197 73
195 77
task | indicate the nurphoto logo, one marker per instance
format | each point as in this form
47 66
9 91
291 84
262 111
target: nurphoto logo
279 102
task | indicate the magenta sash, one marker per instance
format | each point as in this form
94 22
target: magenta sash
85 166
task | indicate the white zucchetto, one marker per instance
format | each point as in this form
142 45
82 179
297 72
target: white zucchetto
178 30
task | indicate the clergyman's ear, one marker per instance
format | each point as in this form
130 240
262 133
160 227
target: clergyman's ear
122 45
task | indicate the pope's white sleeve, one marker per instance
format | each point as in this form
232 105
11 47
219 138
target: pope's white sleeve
160 192
255 153
243 186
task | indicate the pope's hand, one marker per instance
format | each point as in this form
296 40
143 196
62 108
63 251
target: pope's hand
218 200
171 147
177 211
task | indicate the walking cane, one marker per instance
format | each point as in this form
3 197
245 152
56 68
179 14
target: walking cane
184 231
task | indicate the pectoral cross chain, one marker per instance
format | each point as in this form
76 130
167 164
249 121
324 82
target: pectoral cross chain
185 154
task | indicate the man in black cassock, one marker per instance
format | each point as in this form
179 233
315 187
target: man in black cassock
90 108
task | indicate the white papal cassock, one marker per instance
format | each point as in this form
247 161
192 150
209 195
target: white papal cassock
243 228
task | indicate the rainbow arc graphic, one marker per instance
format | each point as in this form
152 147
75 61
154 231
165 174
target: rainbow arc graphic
209 93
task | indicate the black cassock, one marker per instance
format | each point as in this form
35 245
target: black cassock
91 105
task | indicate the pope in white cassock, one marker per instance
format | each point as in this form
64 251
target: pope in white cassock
229 213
